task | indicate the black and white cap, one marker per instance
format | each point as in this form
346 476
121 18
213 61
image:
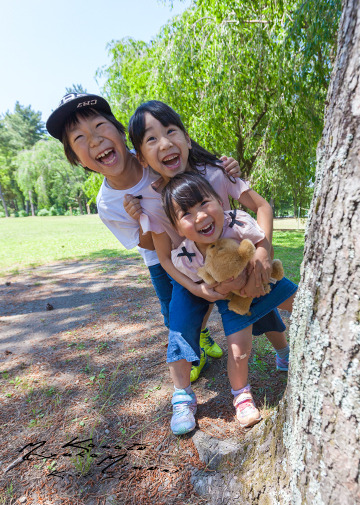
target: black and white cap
70 103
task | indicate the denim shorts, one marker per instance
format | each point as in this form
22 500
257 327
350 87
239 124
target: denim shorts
187 313
261 306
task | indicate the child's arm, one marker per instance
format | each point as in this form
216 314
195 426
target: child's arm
260 266
162 245
261 263
133 208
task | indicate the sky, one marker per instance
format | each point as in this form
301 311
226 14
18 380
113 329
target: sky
48 45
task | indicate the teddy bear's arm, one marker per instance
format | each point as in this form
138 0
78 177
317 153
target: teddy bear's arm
204 274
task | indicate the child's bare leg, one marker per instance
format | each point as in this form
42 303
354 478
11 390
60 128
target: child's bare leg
180 373
288 304
239 348
208 344
207 315
277 339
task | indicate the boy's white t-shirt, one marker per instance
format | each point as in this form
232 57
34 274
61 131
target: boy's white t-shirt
111 211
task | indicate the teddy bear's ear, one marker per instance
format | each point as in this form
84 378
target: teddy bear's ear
246 248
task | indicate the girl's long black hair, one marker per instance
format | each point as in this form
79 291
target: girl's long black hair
185 190
166 115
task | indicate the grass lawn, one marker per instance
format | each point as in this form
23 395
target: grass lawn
28 242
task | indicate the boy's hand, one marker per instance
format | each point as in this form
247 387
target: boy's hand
132 206
232 284
231 166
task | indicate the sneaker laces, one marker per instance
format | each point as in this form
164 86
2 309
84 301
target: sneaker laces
207 338
181 408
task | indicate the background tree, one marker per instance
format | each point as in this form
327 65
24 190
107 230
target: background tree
55 182
18 130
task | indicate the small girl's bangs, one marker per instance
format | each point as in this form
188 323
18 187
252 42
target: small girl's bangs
185 191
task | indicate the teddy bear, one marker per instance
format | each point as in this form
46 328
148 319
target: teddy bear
226 258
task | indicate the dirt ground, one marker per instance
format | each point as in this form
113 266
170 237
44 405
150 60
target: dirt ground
85 394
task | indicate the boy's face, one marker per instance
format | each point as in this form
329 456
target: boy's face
98 145
164 148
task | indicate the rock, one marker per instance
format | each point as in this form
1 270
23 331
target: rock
49 306
213 452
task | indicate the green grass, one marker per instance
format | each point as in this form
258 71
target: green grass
27 242
289 248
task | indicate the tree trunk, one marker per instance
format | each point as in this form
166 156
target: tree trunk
31 203
3 202
308 453
78 199
321 432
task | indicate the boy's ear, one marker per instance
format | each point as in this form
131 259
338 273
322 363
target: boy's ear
141 160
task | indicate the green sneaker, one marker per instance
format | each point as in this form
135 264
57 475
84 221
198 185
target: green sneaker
195 370
210 346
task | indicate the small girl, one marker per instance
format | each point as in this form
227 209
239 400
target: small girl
196 212
161 142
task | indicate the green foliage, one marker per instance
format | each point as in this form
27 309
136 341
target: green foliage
43 212
248 78
18 130
45 170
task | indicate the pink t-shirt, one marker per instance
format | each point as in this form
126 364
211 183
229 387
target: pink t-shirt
237 225
154 218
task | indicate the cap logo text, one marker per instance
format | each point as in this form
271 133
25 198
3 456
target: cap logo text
86 104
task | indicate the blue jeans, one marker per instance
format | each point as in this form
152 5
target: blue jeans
163 288
187 313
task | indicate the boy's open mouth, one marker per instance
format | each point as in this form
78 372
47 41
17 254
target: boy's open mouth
106 157
172 161
207 230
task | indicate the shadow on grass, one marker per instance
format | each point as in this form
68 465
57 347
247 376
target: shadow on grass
109 253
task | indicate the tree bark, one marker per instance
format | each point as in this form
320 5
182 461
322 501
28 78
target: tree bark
321 430
31 203
308 452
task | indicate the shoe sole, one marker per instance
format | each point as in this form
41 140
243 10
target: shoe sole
249 425
217 356
282 369
183 432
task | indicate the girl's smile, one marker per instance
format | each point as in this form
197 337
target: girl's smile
203 223
164 148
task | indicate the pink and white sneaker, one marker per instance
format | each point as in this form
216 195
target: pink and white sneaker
246 412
